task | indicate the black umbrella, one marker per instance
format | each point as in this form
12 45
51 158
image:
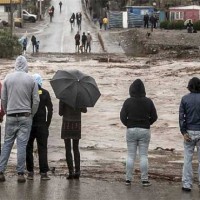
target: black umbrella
75 88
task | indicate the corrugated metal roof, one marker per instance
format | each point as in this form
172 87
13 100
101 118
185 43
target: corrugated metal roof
192 7
10 1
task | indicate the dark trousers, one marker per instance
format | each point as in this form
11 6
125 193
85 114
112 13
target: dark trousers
69 155
40 133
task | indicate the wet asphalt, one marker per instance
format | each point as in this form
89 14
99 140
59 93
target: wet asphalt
91 189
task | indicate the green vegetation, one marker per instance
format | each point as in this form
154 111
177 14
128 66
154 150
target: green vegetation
196 25
9 46
178 25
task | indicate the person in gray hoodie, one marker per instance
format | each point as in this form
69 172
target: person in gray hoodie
20 100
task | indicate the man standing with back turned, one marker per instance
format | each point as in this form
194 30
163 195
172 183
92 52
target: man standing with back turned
189 121
20 100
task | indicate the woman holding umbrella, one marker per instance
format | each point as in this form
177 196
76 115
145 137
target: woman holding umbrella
71 131
76 92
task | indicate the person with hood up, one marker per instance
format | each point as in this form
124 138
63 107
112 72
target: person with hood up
40 132
189 122
138 114
20 100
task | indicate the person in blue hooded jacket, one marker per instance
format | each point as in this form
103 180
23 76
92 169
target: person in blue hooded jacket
189 122
40 132
138 113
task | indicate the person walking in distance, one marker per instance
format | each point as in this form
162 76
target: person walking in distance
146 20
84 40
105 23
40 132
71 132
20 102
34 43
189 122
60 4
77 41
88 42
51 14
138 113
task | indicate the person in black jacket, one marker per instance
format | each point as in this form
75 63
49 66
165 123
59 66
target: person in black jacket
40 132
189 122
137 114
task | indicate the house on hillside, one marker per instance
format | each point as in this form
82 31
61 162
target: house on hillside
184 12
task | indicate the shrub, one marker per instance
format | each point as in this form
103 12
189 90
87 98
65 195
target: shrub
172 24
196 25
164 24
9 46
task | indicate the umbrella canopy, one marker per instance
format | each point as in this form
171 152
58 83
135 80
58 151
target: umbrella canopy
75 88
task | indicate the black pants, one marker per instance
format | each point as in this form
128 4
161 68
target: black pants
69 155
40 133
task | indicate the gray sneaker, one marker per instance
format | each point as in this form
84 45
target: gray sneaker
2 177
30 176
21 178
45 177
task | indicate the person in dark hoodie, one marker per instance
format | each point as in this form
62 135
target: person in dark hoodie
189 122
138 113
40 132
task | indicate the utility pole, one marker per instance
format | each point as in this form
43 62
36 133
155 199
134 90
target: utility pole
11 18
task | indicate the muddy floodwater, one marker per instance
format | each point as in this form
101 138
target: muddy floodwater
103 135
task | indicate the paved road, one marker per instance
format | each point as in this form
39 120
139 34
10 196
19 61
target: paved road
57 36
58 188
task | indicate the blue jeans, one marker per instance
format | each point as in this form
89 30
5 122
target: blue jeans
16 128
188 155
137 138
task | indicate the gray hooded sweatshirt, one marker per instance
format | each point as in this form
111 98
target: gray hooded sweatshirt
19 92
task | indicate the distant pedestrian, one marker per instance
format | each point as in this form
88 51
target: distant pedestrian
152 21
71 132
105 23
90 9
24 44
86 3
100 22
189 122
60 4
40 132
77 41
88 42
138 113
52 8
34 43
50 14
79 20
146 20
20 102
84 40
37 46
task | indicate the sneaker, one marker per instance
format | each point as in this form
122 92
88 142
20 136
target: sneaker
128 182
21 178
45 177
30 176
146 183
2 177
186 189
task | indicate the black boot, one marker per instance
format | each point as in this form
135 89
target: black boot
77 175
70 175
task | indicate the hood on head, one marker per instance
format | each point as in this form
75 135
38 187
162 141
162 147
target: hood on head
137 89
21 64
38 79
194 85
